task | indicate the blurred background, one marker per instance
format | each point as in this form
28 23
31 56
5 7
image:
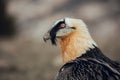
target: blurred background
23 53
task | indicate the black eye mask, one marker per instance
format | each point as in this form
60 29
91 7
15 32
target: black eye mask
54 31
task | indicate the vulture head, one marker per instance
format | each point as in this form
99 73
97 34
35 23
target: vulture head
74 37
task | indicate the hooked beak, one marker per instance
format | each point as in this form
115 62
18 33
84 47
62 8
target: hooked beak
46 36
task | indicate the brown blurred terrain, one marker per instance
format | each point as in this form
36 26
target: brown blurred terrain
23 53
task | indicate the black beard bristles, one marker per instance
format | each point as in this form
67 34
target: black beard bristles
53 36
53 40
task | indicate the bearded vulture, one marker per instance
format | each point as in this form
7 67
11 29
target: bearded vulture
82 58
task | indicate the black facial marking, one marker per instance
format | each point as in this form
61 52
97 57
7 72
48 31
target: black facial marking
54 31
72 27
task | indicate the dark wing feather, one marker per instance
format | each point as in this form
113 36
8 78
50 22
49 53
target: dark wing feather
88 69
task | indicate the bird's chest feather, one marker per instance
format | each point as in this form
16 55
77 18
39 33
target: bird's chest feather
73 46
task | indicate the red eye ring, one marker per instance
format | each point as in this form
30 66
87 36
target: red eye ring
63 25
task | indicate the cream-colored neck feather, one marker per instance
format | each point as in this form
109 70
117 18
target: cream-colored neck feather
76 43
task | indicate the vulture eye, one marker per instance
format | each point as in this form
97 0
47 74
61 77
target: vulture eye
63 25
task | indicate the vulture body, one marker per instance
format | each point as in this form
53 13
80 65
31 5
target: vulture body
91 66
82 58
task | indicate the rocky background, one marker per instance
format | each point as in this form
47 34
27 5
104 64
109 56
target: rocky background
23 53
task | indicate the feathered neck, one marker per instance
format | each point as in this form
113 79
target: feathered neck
76 44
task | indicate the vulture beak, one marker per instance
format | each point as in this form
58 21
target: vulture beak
46 36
